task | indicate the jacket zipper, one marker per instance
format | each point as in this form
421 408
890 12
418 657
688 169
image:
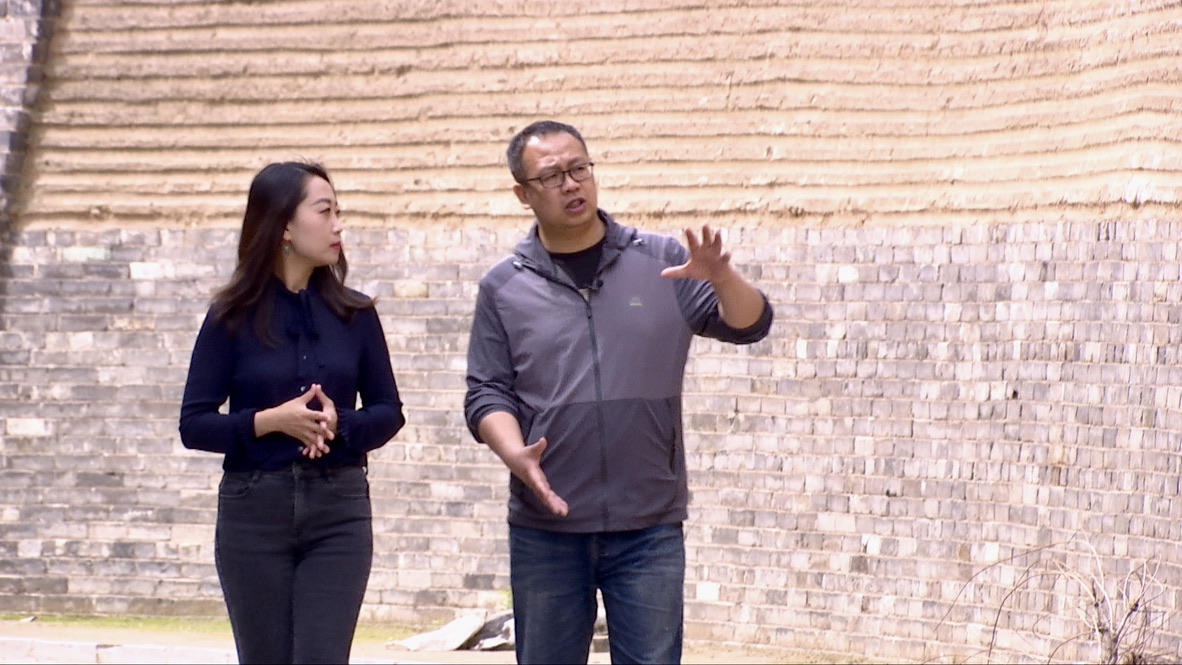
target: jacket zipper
598 411
585 296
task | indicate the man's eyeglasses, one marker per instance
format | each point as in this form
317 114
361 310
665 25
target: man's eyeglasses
554 180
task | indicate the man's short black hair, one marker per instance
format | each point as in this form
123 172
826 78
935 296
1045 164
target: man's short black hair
539 128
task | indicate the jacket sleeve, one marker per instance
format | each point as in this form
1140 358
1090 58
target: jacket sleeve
490 365
380 416
699 306
211 371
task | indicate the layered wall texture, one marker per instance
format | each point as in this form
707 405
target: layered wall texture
967 418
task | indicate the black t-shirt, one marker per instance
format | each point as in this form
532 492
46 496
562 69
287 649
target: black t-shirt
580 266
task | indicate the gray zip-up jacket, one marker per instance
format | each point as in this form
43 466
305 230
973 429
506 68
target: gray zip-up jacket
598 373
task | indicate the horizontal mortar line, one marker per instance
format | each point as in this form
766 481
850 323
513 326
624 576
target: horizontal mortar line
638 161
837 199
522 59
519 61
963 187
1147 100
815 17
411 57
937 98
1000 142
797 20
927 121
930 207
910 150
1116 52
917 36
957 219
125 78
686 173
73 136
670 9
254 17
628 160
232 214
363 37
49 187
1106 74
398 86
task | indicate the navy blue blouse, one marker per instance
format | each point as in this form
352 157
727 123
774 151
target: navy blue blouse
349 359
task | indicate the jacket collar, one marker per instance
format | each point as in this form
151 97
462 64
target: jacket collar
531 253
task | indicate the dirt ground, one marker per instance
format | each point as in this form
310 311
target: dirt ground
366 649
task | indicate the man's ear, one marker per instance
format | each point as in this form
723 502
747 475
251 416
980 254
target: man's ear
519 190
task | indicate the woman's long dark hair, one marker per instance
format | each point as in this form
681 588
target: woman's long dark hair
275 193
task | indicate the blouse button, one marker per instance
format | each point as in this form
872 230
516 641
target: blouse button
303 388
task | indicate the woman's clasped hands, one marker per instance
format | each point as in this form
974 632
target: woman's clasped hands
312 428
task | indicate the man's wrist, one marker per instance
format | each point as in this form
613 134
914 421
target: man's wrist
725 277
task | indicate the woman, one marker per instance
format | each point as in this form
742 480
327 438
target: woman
292 349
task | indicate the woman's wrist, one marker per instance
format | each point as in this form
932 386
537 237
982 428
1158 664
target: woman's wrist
262 422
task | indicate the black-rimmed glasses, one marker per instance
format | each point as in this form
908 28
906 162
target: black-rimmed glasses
578 173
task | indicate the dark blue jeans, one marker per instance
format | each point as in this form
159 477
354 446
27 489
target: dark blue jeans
293 551
641 575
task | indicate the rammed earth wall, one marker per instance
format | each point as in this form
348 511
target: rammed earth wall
965 214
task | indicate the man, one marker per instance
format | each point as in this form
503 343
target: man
575 366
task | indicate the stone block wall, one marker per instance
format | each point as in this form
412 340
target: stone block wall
965 214
25 28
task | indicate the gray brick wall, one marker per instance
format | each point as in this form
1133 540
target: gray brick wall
888 462
965 216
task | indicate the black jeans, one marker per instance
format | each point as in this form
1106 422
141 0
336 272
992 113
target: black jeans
293 551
